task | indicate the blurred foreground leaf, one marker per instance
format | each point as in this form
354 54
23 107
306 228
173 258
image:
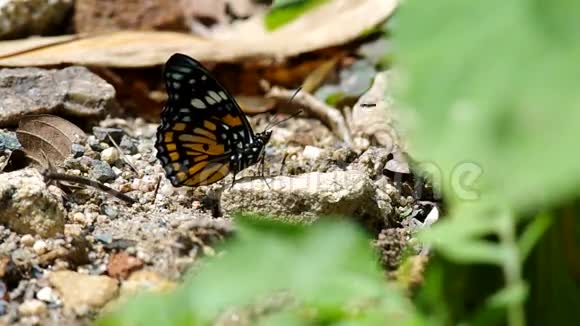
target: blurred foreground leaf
329 270
284 11
495 83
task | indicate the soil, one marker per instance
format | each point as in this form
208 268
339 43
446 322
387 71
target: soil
168 229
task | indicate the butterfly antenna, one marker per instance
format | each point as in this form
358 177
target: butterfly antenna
275 123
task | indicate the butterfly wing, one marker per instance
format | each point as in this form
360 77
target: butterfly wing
201 125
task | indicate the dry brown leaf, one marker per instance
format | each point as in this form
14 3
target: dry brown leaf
47 137
319 75
332 24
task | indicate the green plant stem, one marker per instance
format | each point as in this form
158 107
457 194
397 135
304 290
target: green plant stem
511 265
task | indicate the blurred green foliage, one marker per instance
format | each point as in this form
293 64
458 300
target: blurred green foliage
329 270
494 83
284 11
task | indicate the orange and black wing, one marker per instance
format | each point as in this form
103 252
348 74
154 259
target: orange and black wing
201 126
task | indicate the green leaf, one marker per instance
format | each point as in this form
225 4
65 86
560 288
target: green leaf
495 83
284 11
459 237
515 293
327 267
533 232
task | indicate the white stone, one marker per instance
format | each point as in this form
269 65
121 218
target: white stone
110 155
312 152
40 247
32 308
73 230
80 218
27 240
46 294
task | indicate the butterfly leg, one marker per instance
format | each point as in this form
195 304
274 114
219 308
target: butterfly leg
233 180
262 166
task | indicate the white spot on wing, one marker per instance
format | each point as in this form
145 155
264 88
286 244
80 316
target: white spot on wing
223 95
176 85
215 96
209 100
204 77
176 76
198 104
182 69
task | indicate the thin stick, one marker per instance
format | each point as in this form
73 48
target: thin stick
90 183
122 154
330 116
157 189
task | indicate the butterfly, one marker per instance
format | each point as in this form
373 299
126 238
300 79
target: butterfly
203 135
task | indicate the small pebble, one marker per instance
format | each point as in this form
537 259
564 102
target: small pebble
27 240
110 155
144 147
125 187
32 308
166 189
128 145
73 230
46 294
102 219
79 218
8 141
102 172
95 144
74 172
312 152
77 150
136 184
40 247
104 237
110 211
145 257
120 172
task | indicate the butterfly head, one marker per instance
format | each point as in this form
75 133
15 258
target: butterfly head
264 136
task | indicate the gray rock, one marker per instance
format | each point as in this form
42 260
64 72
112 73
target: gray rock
95 144
79 291
21 18
8 141
74 91
77 150
27 206
104 237
128 145
372 161
306 197
102 171
22 256
110 210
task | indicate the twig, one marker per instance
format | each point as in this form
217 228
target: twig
157 189
122 154
330 116
88 182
